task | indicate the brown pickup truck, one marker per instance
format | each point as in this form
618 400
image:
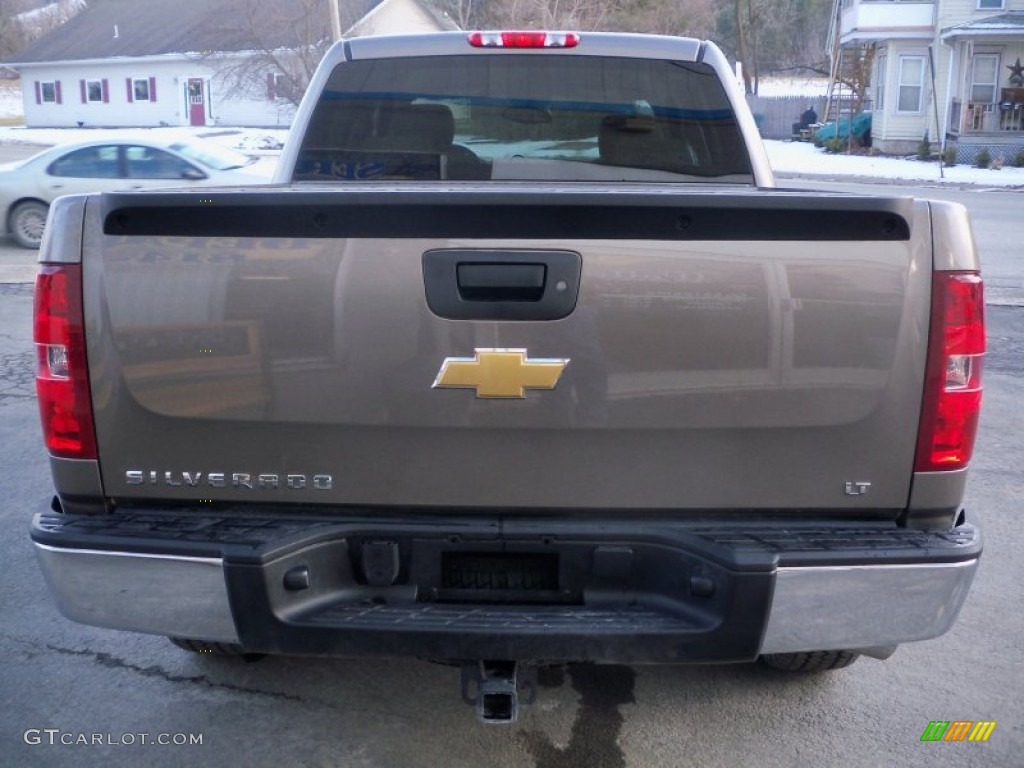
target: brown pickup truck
524 359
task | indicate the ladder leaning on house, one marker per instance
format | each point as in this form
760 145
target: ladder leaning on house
833 96
844 66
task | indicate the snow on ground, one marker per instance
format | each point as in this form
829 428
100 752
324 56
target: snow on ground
802 158
10 99
252 140
789 159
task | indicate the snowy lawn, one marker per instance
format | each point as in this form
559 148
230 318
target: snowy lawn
252 140
10 100
803 158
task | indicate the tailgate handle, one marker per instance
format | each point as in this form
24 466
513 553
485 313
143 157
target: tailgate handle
501 284
500 281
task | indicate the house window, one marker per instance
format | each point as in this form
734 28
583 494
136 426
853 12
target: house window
880 83
48 92
984 74
911 85
140 89
94 91
990 5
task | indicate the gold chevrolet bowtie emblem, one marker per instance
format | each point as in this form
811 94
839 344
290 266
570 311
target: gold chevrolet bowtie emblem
500 372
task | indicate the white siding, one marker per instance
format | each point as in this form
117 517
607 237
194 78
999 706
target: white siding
225 106
872 20
231 110
253 107
953 12
890 124
946 58
115 111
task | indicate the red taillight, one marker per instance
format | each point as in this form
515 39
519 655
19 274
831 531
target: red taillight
956 349
62 379
524 39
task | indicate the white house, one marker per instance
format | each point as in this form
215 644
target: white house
164 62
947 68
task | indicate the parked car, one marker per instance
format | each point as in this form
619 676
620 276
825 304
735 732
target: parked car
28 187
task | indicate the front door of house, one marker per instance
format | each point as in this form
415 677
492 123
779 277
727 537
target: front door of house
196 101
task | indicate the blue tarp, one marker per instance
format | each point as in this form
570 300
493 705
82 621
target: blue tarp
861 127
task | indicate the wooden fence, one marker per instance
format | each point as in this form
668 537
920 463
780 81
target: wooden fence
775 115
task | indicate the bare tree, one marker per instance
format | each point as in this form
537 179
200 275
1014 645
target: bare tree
671 17
689 18
24 21
274 45
465 13
743 54
571 14
10 38
752 17
855 72
530 14
771 36
794 38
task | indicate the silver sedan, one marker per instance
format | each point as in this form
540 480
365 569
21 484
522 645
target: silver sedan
28 187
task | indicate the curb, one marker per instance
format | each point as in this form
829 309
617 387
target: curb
18 273
895 182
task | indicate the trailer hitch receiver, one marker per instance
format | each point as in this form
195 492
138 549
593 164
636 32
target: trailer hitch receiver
496 689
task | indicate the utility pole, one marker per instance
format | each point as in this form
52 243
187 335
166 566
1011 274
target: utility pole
335 19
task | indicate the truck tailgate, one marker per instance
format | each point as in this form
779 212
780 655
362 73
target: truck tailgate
725 351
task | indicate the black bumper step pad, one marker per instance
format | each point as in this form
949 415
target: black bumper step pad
626 619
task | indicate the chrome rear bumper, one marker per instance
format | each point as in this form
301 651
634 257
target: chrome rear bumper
832 608
158 594
766 600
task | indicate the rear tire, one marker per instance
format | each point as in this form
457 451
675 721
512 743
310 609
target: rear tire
27 222
809 661
209 648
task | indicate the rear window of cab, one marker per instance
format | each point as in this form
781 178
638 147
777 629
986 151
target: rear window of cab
565 118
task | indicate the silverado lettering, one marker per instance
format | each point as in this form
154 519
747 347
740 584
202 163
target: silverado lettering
757 451
223 480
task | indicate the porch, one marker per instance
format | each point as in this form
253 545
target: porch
995 126
986 103
1006 114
